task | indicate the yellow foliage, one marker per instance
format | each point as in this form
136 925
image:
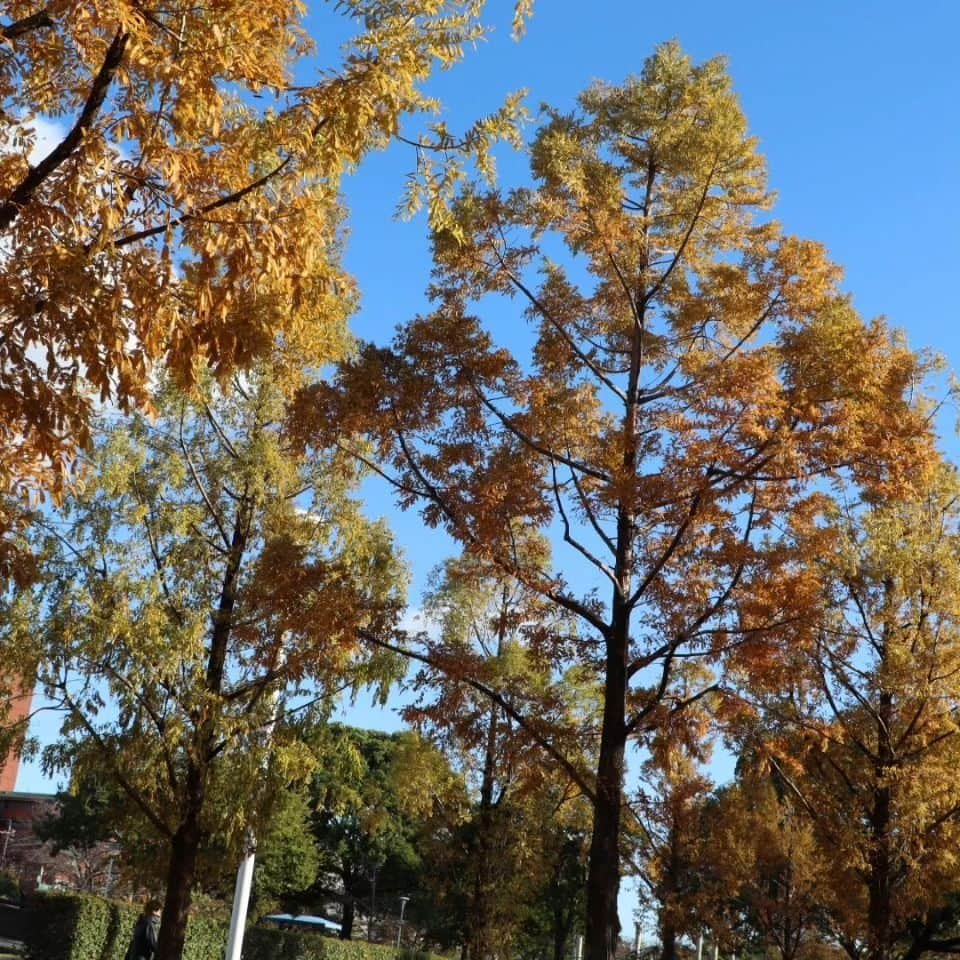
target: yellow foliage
187 215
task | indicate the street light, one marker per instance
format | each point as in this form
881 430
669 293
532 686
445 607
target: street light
7 834
403 903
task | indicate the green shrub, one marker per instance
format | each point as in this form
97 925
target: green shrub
79 927
266 943
9 886
206 937
69 928
76 927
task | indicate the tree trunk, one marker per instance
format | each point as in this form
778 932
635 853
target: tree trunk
181 874
346 918
879 889
881 866
668 891
668 939
479 933
603 874
561 931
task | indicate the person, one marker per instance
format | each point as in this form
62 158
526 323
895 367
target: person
143 944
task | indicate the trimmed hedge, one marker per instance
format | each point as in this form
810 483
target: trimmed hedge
78 927
267 943
70 926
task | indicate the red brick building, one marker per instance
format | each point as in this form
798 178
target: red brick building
10 766
22 853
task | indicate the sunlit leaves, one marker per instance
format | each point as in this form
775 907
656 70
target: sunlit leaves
186 211
207 575
628 352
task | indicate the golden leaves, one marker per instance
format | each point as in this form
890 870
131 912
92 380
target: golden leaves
196 219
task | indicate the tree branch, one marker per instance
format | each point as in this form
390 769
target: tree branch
24 191
522 721
18 28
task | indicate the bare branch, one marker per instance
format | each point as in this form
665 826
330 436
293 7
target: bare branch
525 723
569 538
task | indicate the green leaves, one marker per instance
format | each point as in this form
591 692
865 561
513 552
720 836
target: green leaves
210 575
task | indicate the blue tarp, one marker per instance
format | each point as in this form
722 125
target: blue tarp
304 920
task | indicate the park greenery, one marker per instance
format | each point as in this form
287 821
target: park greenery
698 504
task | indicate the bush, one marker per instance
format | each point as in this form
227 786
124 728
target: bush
70 928
81 927
9 887
265 943
76 927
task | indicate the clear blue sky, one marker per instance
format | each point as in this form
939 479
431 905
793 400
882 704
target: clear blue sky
857 107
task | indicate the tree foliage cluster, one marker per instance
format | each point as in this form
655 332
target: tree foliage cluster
699 494
694 397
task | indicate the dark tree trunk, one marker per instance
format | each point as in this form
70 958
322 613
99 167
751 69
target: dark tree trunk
561 930
563 917
669 889
668 939
181 874
479 921
346 918
187 840
603 873
881 856
880 887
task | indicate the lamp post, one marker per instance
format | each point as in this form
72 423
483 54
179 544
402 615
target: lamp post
403 904
7 834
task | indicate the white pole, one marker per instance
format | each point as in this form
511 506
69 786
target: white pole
580 947
241 890
700 946
716 949
241 900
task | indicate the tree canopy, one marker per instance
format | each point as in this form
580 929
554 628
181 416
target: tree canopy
187 213
695 384
864 741
205 569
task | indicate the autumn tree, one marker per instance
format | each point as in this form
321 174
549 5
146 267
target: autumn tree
511 862
669 821
364 838
553 911
204 570
628 353
866 738
510 880
501 636
764 868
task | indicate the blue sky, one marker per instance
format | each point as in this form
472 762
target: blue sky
856 108
855 105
